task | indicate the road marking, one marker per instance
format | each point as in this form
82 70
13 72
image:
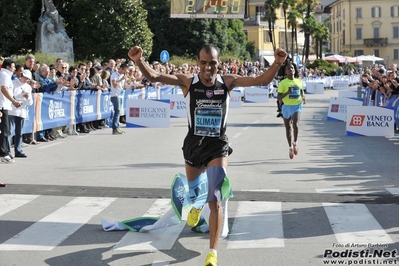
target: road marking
261 190
246 128
162 239
53 229
257 225
160 263
393 190
237 135
353 223
9 202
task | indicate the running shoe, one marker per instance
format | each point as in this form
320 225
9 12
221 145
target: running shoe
211 259
120 130
296 149
7 159
117 132
291 153
194 216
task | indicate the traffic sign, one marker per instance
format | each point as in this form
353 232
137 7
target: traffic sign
164 56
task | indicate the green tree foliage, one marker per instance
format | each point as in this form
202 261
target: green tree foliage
182 37
321 64
15 26
106 28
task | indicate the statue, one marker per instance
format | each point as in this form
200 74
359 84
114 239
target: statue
51 37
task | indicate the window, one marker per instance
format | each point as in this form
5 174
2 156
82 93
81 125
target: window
394 11
343 37
376 33
359 52
395 32
376 12
359 12
377 53
358 33
395 54
267 37
343 14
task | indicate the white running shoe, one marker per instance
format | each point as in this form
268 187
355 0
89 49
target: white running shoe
7 159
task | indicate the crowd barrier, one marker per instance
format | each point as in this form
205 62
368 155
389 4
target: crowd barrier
50 110
382 101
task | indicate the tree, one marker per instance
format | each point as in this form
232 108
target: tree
293 16
271 17
16 26
106 29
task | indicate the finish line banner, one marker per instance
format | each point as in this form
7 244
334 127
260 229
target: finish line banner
147 113
370 121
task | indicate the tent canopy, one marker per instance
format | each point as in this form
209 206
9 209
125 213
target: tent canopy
341 59
369 58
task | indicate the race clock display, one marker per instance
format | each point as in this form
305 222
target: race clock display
207 9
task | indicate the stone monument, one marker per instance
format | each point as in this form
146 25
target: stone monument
51 37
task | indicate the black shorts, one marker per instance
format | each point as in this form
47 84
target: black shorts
199 151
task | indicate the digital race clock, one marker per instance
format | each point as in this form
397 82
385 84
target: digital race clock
207 9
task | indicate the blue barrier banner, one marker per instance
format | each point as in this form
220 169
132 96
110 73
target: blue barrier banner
29 120
86 106
152 93
167 89
53 110
104 105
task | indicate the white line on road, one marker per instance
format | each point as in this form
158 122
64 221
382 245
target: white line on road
353 223
9 202
257 225
237 135
246 128
393 190
53 229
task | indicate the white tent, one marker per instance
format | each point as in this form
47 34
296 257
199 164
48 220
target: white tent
371 58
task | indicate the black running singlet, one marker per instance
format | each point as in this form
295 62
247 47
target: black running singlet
207 108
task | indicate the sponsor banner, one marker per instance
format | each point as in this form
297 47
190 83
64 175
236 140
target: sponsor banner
105 109
167 89
235 99
257 95
338 108
147 113
347 94
177 104
314 88
340 84
370 121
53 110
86 106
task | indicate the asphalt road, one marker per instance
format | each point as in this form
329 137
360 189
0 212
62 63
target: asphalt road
339 190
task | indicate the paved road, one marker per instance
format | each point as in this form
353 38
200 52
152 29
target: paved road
339 190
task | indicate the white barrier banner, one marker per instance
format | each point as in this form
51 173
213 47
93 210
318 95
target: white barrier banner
340 84
338 108
370 121
257 95
235 99
314 88
177 104
147 113
347 94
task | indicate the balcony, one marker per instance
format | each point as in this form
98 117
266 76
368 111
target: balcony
376 42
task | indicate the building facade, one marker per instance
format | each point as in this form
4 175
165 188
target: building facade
257 31
366 27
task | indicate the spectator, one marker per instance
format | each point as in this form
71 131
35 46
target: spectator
23 94
6 103
117 86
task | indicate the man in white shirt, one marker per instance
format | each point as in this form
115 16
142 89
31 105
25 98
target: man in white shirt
117 86
6 102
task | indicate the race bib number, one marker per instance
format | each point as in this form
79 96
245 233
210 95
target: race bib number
208 122
295 92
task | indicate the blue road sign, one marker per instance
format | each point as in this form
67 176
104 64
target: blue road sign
164 56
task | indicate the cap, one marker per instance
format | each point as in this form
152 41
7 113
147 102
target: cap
381 70
99 68
27 74
155 63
